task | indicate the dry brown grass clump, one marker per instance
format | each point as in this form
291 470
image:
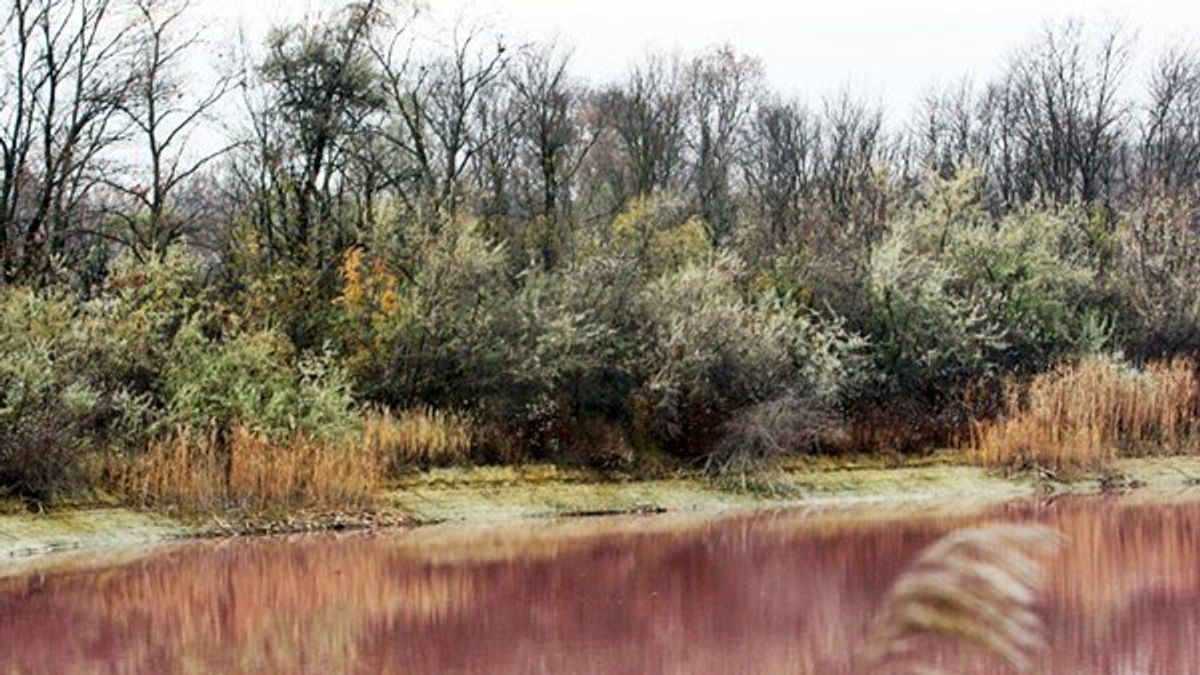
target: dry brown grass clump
420 437
198 472
1080 416
979 586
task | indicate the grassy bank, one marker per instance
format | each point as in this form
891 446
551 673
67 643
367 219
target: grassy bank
24 535
492 494
488 495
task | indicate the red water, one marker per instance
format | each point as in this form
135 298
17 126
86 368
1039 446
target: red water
783 592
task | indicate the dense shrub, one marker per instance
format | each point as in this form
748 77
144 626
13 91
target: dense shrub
255 380
147 355
641 337
462 334
1158 276
659 234
578 339
710 351
79 377
957 295
444 341
681 259
49 408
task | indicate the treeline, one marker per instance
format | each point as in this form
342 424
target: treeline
375 210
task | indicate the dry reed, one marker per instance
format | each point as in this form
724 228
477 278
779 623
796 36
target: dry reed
979 586
420 437
1083 415
202 472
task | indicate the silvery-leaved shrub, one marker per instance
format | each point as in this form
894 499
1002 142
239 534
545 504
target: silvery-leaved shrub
1158 276
447 339
956 294
578 336
526 351
712 349
51 411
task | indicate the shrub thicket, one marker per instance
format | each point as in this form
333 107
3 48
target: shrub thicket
50 409
958 297
678 261
1157 266
645 338
957 294
146 357
713 349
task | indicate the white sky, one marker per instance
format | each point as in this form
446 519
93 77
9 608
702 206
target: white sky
890 51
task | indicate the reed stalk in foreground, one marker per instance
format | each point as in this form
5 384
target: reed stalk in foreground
1081 416
978 586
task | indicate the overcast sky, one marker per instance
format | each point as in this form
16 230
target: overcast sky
890 51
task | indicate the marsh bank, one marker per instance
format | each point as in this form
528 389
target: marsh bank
484 495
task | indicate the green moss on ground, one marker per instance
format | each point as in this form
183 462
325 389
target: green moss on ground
32 534
478 494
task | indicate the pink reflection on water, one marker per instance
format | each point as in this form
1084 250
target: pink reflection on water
781 592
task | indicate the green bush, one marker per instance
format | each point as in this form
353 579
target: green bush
710 351
527 352
148 354
956 295
132 323
446 342
51 412
578 339
255 380
659 233
79 377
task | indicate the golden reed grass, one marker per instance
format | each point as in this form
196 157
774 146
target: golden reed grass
199 472
419 437
1083 415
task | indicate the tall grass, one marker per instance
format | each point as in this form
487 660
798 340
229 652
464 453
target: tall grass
201 472
1082 415
420 437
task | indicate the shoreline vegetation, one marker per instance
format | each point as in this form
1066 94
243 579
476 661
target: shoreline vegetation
490 496
422 250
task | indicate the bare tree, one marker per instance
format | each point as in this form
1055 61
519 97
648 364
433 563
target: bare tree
1065 115
722 89
495 164
555 135
433 129
947 130
66 76
646 112
1170 136
165 113
780 165
854 152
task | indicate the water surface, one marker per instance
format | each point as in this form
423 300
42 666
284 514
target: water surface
778 592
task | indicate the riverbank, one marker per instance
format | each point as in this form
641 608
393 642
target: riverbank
484 495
